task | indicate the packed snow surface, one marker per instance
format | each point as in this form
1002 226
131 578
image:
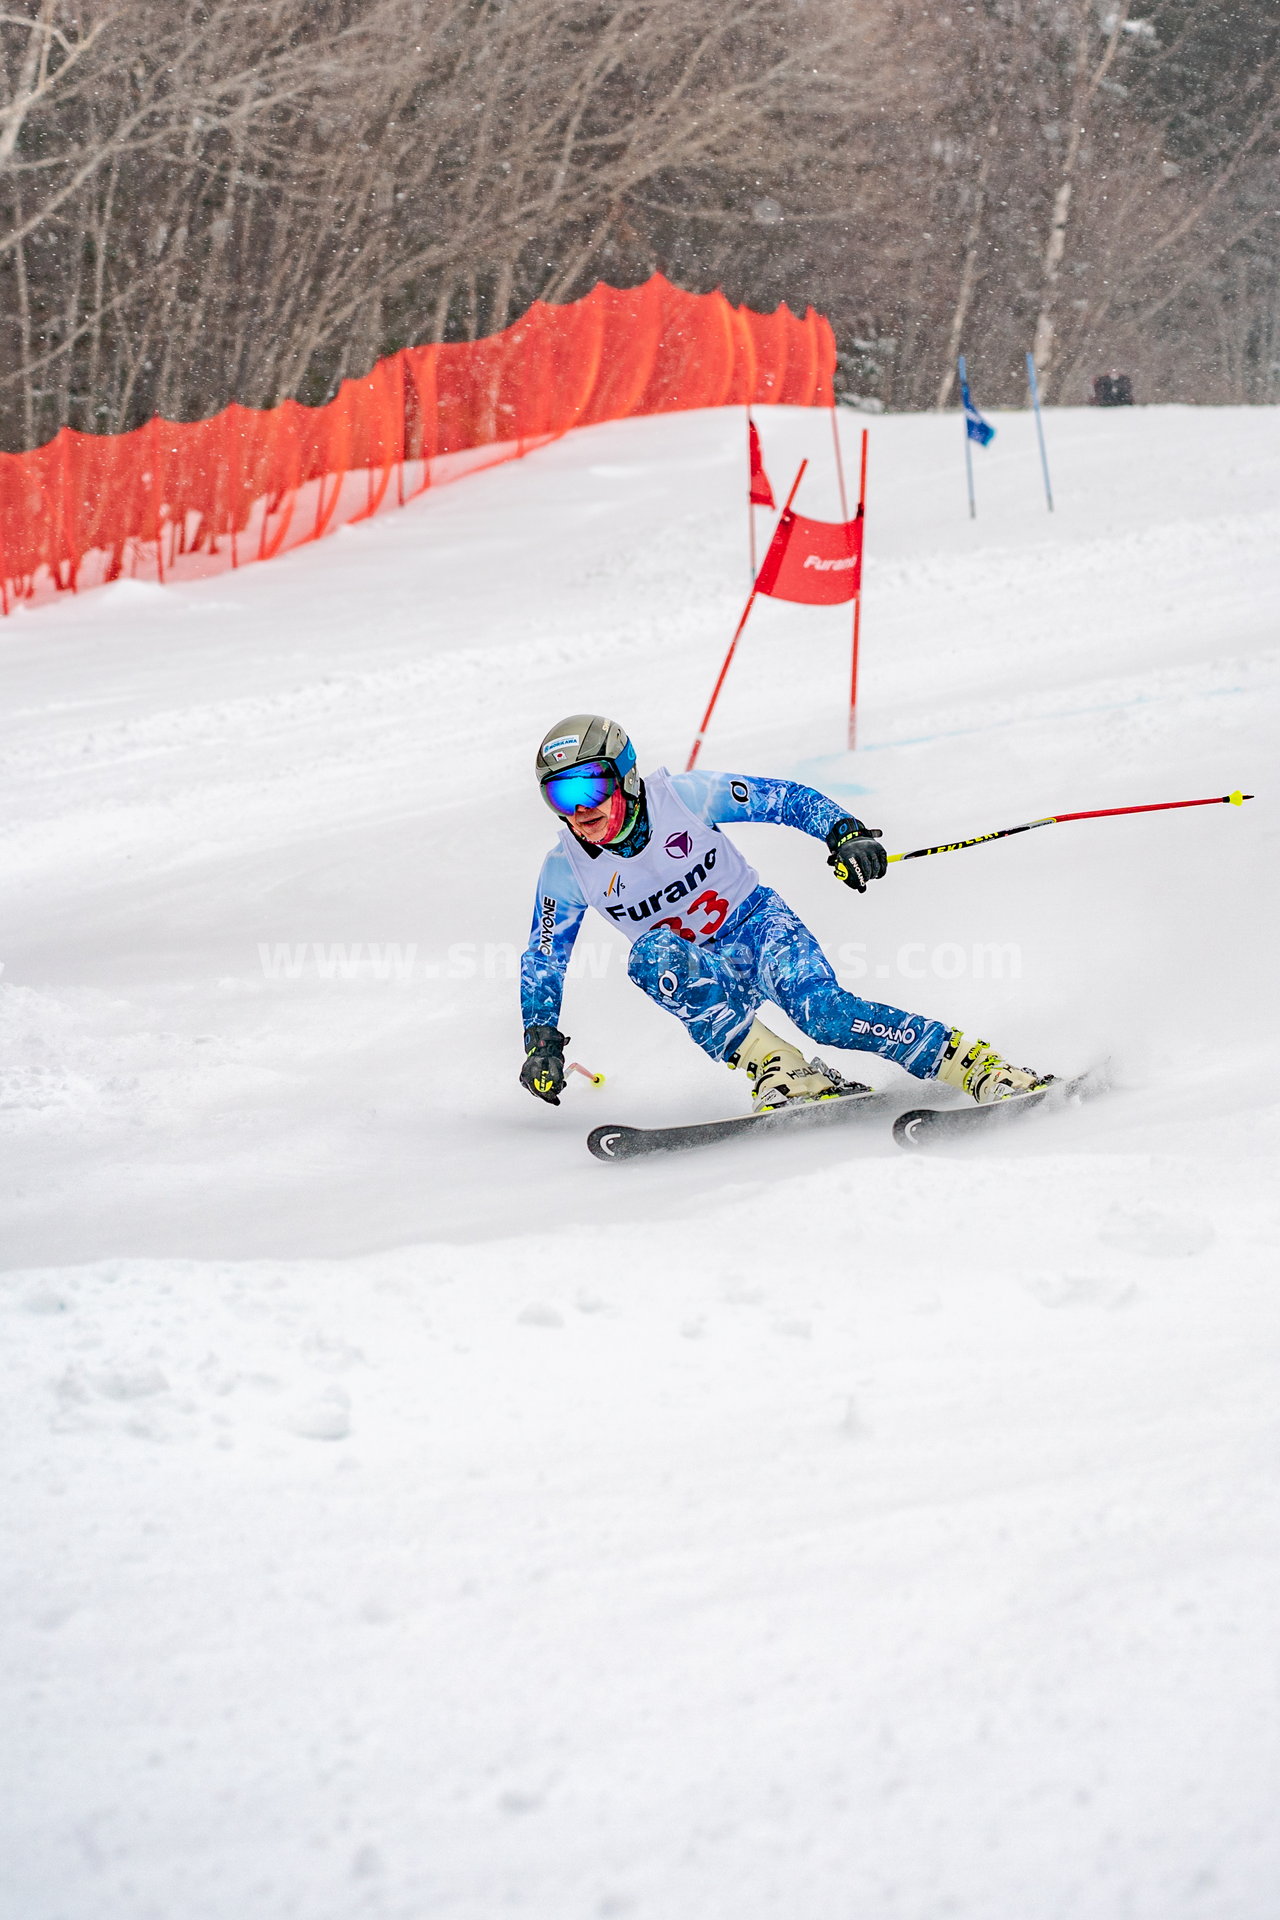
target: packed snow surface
406 1516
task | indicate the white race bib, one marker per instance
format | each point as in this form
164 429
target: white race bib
690 877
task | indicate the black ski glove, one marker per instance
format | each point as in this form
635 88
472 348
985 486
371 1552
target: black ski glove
856 855
543 1069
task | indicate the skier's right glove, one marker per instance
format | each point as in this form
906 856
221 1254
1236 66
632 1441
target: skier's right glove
543 1069
856 855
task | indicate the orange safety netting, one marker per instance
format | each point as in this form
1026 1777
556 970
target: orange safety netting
180 500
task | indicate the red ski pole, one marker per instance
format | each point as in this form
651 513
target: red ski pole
1235 799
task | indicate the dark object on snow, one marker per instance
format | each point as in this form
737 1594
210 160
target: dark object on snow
1113 390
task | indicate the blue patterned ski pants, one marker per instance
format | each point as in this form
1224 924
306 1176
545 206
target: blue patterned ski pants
771 955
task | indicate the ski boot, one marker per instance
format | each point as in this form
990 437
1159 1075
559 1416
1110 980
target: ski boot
780 1074
977 1069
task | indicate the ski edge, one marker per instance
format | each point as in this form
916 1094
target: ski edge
615 1143
920 1127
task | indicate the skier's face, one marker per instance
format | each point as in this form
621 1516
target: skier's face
593 824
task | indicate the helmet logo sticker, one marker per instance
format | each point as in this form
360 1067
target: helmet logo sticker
556 749
679 845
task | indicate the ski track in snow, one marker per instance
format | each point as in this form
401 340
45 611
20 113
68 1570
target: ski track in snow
406 1516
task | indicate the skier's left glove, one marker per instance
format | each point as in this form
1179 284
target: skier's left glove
543 1069
856 855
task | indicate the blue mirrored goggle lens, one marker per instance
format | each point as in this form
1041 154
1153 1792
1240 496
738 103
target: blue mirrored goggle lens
587 785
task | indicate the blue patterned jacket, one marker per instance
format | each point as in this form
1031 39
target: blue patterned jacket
719 799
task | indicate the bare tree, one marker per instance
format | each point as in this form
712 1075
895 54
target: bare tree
203 200
1088 71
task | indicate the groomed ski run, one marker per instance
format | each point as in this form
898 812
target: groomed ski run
402 1516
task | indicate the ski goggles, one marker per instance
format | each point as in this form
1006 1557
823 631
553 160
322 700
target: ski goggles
589 784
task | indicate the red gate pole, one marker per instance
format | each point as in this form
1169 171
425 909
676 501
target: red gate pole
751 505
857 605
737 632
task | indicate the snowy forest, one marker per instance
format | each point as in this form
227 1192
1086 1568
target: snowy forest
253 199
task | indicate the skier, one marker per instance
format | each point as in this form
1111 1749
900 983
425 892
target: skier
709 943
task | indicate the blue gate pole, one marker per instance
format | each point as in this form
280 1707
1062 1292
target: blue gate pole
968 450
1035 401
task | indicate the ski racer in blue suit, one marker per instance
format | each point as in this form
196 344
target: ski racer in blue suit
709 942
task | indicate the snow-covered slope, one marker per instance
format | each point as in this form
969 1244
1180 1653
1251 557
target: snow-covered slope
406 1515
